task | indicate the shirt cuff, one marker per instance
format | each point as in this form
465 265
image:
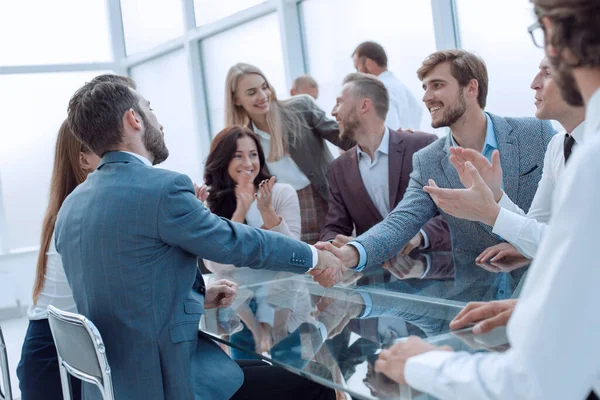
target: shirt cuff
508 225
315 254
368 303
426 243
362 261
419 369
428 259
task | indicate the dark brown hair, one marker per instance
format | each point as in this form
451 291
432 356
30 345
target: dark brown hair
66 176
367 85
575 26
221 200
96 113
372 50
464 66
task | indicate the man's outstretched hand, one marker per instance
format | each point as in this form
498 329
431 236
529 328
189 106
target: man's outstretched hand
220 293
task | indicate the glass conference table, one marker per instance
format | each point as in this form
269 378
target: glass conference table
333 336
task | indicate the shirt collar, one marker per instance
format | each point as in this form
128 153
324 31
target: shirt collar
385 74
592 117
490 135
384 146
578 132
144 159
263 135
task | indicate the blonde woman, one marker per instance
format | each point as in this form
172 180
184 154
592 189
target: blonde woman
292 133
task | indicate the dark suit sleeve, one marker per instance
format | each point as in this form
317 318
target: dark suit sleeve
338 221
185 223
439 234
387 238
326 127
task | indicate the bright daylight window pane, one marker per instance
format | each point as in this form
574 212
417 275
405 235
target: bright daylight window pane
512 59
240 44
148 23
404 29
54 32
165 83
33 107
208 11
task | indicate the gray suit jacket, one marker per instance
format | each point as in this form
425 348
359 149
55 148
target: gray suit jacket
522 144
128 238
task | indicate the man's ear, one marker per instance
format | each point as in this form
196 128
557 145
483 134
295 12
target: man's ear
132 119
473 88
366 105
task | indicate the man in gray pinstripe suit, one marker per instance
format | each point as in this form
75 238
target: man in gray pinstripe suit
455 84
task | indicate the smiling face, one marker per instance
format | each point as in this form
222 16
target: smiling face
345 112
444 98
253 95
245 164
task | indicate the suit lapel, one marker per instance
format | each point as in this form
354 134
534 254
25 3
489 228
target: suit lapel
354 177
509 155
449 170
395 162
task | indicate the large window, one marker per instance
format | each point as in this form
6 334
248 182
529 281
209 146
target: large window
497 31
165 83
333 29
148 23
53 32
258 43
208 11
33 108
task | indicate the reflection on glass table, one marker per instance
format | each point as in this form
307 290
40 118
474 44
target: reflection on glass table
333 336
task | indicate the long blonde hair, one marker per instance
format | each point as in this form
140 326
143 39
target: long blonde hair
67 174
283 121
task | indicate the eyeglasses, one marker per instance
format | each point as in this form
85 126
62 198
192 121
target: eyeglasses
537 34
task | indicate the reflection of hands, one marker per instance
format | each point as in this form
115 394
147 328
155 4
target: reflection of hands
220 293
475 203
329 269
490 173
244 195
380 385
405 267
336 313
341 240
201 192
506 264
487 316
498 252
413 243
392 361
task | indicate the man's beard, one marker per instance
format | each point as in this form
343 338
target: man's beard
453 114
154 142
350 127
563 75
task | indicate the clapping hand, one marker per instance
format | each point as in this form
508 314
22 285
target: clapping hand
264 195
475 203
244 195
491 173
201 192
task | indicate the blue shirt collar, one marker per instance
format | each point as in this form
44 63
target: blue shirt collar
491 142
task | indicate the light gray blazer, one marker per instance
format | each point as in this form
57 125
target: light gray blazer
128 238
522 144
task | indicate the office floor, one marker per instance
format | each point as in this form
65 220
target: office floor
14 333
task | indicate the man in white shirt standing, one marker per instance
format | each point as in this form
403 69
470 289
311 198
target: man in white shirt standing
550 357
523 232
404 111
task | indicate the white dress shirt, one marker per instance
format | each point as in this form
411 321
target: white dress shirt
555 327
56 290
405 111
375 176
525 231
285 169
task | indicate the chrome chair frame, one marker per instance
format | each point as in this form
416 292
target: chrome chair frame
7 394
105 383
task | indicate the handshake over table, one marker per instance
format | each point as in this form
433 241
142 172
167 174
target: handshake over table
336 263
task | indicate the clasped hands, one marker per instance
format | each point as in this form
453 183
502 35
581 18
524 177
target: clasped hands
336 260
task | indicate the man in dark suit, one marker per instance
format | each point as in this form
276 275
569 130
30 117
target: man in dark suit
369 180
129 237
